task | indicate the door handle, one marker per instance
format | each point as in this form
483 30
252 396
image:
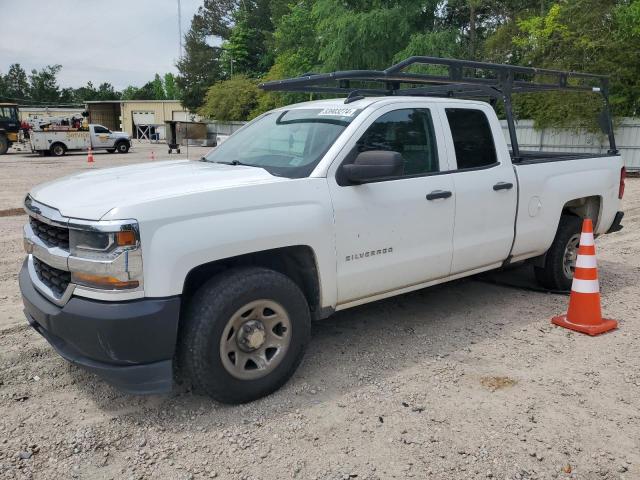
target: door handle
503 186
436 194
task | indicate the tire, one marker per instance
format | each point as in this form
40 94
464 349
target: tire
239 295
111 150
58 150
557 271
4 144
123 147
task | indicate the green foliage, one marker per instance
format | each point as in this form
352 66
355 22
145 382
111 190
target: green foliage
171 90
15 85
583 35
241 53
87 93
232 99
350 39
199 67
437 43
44 84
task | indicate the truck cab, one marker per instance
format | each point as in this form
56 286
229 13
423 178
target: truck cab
9 126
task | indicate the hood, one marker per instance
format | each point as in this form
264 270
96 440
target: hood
90 195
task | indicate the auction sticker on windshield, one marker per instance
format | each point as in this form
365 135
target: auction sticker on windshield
338 112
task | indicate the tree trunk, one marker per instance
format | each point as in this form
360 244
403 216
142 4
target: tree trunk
472 29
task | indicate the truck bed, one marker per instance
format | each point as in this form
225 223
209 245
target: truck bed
533 156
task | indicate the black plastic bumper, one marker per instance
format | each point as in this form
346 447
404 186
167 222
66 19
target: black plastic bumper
129 344
616 226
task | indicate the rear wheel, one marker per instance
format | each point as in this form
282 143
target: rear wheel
560 260
58 150
244 334
4 144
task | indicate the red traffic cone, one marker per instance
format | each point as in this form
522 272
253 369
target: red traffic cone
152 156
90 155
584 313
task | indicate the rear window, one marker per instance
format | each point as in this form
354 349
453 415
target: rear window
472 138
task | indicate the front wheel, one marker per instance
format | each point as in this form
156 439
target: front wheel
244 334
123 147
560 260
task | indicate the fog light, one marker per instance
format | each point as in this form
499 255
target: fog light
98 281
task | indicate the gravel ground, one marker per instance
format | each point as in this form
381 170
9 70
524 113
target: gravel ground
465 380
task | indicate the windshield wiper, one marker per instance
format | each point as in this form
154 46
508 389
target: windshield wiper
236 162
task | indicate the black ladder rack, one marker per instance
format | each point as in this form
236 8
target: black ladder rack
465 79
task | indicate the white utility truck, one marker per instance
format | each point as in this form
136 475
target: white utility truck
219 266
58 141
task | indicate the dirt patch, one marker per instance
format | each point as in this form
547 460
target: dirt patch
386 390
496 383
12 212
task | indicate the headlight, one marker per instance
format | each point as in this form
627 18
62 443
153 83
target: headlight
105 255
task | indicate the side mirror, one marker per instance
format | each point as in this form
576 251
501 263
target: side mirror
373 165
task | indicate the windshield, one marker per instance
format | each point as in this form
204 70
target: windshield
9 113
285 143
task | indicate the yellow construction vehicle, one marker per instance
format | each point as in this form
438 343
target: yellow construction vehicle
9 126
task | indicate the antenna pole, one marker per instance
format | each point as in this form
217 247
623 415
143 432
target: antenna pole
180 28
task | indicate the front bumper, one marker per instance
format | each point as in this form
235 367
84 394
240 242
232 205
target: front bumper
130 344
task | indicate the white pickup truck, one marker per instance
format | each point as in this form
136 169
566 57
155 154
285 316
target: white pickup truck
222 264
59 142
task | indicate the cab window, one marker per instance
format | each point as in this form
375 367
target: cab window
409 132
472 138
100 129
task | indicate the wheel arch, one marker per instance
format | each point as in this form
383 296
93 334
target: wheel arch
297 262
584 207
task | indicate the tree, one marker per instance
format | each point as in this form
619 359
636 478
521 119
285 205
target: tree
241 53
158 88
349 38
199 67
170 87
106 91
582 35
43 84
232 99
15 84
129 93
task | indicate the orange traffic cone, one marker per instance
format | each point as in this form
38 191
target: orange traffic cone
152 155
584 313
90 155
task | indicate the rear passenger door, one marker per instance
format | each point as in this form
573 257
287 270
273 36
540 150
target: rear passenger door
486 190
394 233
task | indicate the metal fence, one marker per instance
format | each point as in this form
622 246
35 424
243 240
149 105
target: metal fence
568 140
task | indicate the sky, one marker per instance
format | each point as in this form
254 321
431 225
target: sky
124 42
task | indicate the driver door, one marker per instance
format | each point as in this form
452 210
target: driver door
101 137
394 233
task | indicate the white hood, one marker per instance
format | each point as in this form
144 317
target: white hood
90 195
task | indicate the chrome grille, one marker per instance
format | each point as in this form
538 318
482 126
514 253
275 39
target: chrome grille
56 280
53 236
